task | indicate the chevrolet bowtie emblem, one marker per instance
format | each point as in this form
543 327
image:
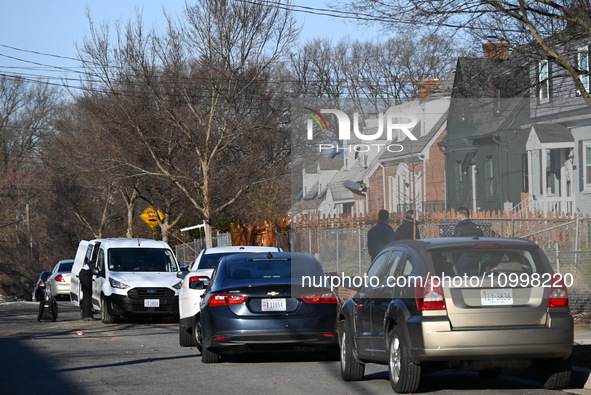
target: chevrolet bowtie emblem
273 293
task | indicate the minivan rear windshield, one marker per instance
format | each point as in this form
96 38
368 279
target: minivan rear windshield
482 261
141 260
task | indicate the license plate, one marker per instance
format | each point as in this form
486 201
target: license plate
496 297
151 302
273 305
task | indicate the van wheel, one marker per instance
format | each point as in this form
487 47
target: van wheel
106 315
405 376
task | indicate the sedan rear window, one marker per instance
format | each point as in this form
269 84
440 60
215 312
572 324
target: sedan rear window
478 261
65 267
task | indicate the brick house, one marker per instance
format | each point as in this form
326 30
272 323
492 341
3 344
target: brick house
415 177
393 174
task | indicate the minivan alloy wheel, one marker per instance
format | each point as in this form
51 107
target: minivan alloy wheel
405 376
394 361
351 369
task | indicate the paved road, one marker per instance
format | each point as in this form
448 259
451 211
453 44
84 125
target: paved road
77 357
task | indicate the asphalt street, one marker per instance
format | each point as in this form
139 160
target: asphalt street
71 356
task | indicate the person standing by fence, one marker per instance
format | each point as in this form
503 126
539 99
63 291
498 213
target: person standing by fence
409 229
466 228
380 234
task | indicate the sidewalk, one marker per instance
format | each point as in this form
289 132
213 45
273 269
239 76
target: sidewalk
583 334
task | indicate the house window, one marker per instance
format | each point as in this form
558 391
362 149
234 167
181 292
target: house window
544 81
347 209
488 174
583 62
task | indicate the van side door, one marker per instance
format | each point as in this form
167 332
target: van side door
98 279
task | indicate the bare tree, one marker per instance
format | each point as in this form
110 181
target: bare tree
198 101
386 73
541 29
26 111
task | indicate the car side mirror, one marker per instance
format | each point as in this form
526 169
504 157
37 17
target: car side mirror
197 285
94 270
181 274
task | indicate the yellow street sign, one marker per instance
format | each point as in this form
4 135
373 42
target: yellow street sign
149 217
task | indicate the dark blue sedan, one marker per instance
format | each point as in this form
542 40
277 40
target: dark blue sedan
266 301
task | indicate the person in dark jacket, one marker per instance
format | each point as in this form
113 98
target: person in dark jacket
466 228
380 234
85 277
409 229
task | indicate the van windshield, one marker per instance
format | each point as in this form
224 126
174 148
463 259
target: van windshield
141 260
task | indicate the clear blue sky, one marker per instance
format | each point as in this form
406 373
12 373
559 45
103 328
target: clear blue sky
55 27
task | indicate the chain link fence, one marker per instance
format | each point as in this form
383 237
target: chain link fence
186 253
565 242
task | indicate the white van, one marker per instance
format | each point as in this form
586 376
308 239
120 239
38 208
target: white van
131 277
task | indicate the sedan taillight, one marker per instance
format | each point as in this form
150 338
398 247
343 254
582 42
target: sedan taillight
225 300
429 296
60 278
558 293
320 297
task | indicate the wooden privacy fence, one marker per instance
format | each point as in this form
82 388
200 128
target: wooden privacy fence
266 233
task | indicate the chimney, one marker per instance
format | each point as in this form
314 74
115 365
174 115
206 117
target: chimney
426 87
496 50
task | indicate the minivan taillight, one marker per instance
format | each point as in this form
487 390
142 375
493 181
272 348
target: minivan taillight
225 300
60 278
320 297
429 294
558 293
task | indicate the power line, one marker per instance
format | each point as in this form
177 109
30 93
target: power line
39 53
361 16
